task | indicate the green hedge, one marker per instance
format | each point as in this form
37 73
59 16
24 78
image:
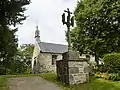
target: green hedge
112 62
108 76
114 76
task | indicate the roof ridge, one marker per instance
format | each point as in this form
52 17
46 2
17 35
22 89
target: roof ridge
54 43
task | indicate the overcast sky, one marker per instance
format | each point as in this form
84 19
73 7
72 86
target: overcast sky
47 15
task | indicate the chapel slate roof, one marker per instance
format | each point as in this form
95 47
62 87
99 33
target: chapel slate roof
53 48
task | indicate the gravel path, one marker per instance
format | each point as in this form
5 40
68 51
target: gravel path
31 83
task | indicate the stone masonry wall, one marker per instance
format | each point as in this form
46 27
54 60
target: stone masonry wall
72 69
45 62
78 72
74 73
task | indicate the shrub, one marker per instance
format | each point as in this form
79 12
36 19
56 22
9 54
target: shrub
111 76
100 68
114 76
112 62
102 75
2 71
28 71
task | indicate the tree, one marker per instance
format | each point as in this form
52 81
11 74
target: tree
11 13
25 55
97 27
21 63
8 48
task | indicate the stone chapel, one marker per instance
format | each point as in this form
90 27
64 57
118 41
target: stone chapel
46 54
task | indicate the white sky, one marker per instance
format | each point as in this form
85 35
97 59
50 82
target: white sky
47 15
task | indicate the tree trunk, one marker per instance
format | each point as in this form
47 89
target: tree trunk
96 58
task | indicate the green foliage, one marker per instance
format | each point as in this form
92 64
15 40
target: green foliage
18 63
111 67
28 70
8 48
111 76
100 68
25 57
22 61
27 49
97 27
112 62
2 71
12 11
114 76
102 75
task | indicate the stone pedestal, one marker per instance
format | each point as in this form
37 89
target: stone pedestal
71 55
72 69
78 72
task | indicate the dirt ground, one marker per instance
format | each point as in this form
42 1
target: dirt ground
31 83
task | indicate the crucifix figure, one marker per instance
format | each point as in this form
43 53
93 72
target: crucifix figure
69 22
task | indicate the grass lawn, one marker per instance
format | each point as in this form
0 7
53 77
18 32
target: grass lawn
3 83
94 84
